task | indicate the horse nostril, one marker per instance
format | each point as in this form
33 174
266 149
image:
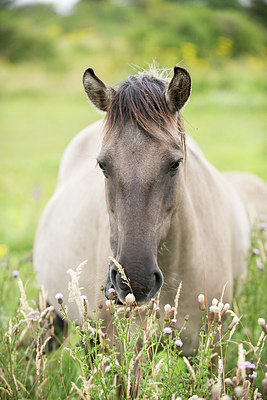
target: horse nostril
113 275
158 280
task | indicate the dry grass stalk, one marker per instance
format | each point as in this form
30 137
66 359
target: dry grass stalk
8 390
79 392
176 299
121 271
190 368
241 372
74 288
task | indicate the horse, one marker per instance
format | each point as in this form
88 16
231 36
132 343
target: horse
154 203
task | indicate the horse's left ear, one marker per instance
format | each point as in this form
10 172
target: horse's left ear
97 91
179 89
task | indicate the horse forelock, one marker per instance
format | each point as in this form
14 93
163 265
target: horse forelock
140 99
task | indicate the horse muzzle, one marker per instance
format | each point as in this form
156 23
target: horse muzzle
143 286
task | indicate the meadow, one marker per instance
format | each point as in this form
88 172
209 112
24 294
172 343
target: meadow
42 108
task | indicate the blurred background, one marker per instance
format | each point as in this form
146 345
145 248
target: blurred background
45 48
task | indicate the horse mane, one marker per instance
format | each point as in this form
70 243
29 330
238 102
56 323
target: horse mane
140 99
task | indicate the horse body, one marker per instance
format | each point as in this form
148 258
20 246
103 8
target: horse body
162 219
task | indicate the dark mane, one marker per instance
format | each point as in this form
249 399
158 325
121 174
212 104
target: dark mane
140 99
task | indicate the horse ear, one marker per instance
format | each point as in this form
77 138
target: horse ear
179 89
98 93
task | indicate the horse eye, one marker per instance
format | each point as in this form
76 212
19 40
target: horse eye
103 169
101 166
175 165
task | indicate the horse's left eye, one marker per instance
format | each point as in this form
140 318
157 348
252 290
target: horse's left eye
174 166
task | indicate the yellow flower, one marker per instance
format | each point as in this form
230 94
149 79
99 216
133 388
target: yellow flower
3 250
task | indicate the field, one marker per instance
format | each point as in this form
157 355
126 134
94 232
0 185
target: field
43 106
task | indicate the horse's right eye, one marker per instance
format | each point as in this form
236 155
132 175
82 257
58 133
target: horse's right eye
103 168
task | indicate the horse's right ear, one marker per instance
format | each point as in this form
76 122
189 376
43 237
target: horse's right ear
98 93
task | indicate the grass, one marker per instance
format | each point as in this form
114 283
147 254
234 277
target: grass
87 365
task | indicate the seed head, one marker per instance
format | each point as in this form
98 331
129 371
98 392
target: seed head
201 300
214 302
238 391
167 309
261 322
129 299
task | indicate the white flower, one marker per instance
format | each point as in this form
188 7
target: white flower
226 307
214 302
130 298
261 321
220 306
167 308
201 298
238 391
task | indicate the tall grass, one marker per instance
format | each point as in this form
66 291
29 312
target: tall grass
138 356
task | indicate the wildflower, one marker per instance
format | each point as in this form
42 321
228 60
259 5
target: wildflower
127 312
255 251
226 307
229 382
238 391
173 321
84 298
129 300
178 398
261 322
226 397
186 317
102 288
59 297
167 331
249 365
151 304
201 300
15 273
263 226
100 306
214 313
167 309
110 306
260 265
77 344
253 375
172 313
157 312
178 343
214 302
220 306
111 293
